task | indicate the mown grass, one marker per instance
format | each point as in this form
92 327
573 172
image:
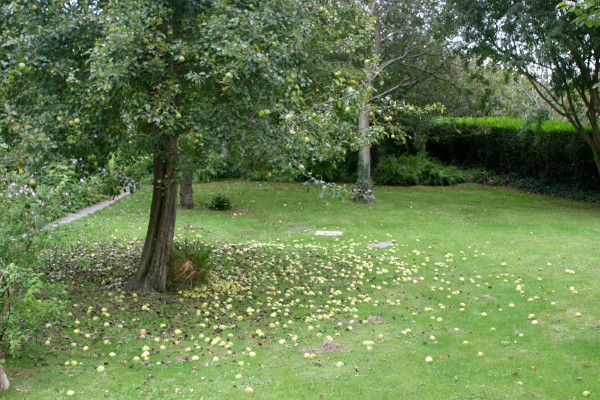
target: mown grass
497 287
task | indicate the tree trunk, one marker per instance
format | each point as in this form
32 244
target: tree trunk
186 191
378 40
225 150
151 274
595 145
364 183
4 382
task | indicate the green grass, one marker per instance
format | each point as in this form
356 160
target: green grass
471 268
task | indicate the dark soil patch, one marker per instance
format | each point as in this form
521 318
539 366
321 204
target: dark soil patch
327 347
375 320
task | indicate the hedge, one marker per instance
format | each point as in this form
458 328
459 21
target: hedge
550 156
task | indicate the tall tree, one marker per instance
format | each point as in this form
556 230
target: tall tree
406 51
560 59
145 75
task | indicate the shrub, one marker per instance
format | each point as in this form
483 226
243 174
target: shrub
190 264
30 202
534 185
335 171
416 170
480 176
141 170
22 307
112 184
220 202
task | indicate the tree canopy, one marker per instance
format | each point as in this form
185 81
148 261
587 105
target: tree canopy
560 58
84 79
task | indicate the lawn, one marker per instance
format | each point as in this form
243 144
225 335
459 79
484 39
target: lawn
484 293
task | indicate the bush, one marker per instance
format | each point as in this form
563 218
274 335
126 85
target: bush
340 171
416 170
112 184
22 307
190 264
30 202
534 186
220 202
141 170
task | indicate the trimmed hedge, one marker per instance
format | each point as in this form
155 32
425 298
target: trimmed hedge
549 156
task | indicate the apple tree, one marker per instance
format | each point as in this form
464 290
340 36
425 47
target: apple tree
150 77
286 104
43 61
242 73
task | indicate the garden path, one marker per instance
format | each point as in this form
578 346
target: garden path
86 211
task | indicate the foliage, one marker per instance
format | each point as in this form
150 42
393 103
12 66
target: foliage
413 58
47 116
416 170
190 264
533 185
550 156
157 78
114 183
220 202
419 67
30 202
587 11
541 42
484 90
140 170
26 304
339 171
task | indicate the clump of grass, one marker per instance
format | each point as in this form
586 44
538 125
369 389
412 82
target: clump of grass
220 202
190 263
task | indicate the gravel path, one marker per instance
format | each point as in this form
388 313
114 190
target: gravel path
85 211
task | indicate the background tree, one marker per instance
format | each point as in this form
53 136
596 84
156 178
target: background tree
560 59
477 90
406 51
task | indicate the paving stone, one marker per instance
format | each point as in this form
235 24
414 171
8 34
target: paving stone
329 233
381 245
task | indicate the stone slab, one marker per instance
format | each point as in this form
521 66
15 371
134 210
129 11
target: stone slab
381 245
329 233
